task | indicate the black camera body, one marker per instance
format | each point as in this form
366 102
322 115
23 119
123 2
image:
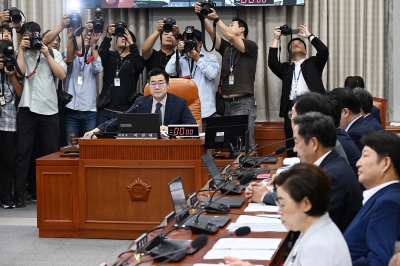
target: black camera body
75 20
286 30
15 15
120 27
98 23
8 59
169 24
190 43
206 7
35 40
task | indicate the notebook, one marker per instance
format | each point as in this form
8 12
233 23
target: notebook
182 209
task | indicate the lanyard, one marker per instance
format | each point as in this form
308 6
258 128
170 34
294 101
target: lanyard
36 66
118 70
231 60
81 66
294 75
191 69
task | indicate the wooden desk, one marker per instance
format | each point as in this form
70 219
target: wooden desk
102 194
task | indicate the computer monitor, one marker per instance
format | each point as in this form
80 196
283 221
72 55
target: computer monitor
226 132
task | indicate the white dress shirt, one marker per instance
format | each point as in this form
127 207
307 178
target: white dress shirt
301 83
367 194
352 122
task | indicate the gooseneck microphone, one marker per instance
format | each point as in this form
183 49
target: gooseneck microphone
241 231
139 104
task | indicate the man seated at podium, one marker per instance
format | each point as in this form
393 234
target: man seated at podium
172 109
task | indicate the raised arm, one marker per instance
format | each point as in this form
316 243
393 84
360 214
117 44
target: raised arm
51 35
147 47
208 25
55 63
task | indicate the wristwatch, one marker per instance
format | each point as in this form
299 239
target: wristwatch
216 20
309 36
94 47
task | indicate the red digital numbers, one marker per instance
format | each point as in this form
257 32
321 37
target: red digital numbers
181 131
253 1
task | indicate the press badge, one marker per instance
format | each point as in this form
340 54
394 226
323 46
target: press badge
2 101
231 79
117 82
80 80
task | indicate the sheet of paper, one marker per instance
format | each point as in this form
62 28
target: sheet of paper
264 218
260 207
247 243
220 264
214 254
258 227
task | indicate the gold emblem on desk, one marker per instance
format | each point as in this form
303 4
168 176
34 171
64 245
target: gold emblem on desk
139 190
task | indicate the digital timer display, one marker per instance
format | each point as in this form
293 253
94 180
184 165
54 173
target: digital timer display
184 130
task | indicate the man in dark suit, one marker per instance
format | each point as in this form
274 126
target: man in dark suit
302 76
172 109
315 139
366 103
351 119
372 234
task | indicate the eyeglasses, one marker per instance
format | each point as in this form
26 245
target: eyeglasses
160 84
290 114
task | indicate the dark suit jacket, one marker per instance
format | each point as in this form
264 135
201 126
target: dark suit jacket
373 232
358 129
346 199
311 69
352 152
376 113
373 122
176 112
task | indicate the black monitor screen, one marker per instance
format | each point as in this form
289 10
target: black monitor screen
177 195
225 131
189 3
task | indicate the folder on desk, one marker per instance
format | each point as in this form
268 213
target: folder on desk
183 210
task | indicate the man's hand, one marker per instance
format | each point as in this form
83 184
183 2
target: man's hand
303 31
255 191
271 182
44 50
88 27
95 38
4 16
65 21
175 30
25 43
128 37
197 7
181 46
232 261
163 128
194 55
110 30
90 133
70 33
160 25
277 33
8 73
213 15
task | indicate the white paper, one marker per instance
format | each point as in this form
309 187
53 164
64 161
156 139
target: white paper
214 254
247 243
260 207
264 218
394 124
258 227
291 161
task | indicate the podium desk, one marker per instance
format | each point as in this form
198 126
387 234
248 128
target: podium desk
116 188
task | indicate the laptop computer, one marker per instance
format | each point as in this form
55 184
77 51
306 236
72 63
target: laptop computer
219 180
138 123
182 209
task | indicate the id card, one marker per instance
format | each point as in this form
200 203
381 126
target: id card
231 79
80 80
2 101
117 82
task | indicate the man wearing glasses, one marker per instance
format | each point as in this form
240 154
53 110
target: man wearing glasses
172 109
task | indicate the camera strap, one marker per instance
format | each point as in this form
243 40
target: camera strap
2 83
204 35
36 66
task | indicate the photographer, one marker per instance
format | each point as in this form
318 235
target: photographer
122 68
159 59
201 67
6 31
10 87
80 113
50 37
239 61
302 76
38 109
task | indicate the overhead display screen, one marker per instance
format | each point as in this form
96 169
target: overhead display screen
190 3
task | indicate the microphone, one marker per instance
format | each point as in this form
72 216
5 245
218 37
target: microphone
241 231
140 103
197 243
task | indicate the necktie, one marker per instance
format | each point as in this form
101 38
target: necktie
158 111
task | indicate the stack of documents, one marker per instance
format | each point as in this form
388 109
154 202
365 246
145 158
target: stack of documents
259 223
260 207
291 161
244 248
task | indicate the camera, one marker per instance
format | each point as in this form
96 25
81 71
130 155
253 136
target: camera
8 60
190 43
15 15
286 30
35 40
98 23
206 7
169 24
120 27
75 20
